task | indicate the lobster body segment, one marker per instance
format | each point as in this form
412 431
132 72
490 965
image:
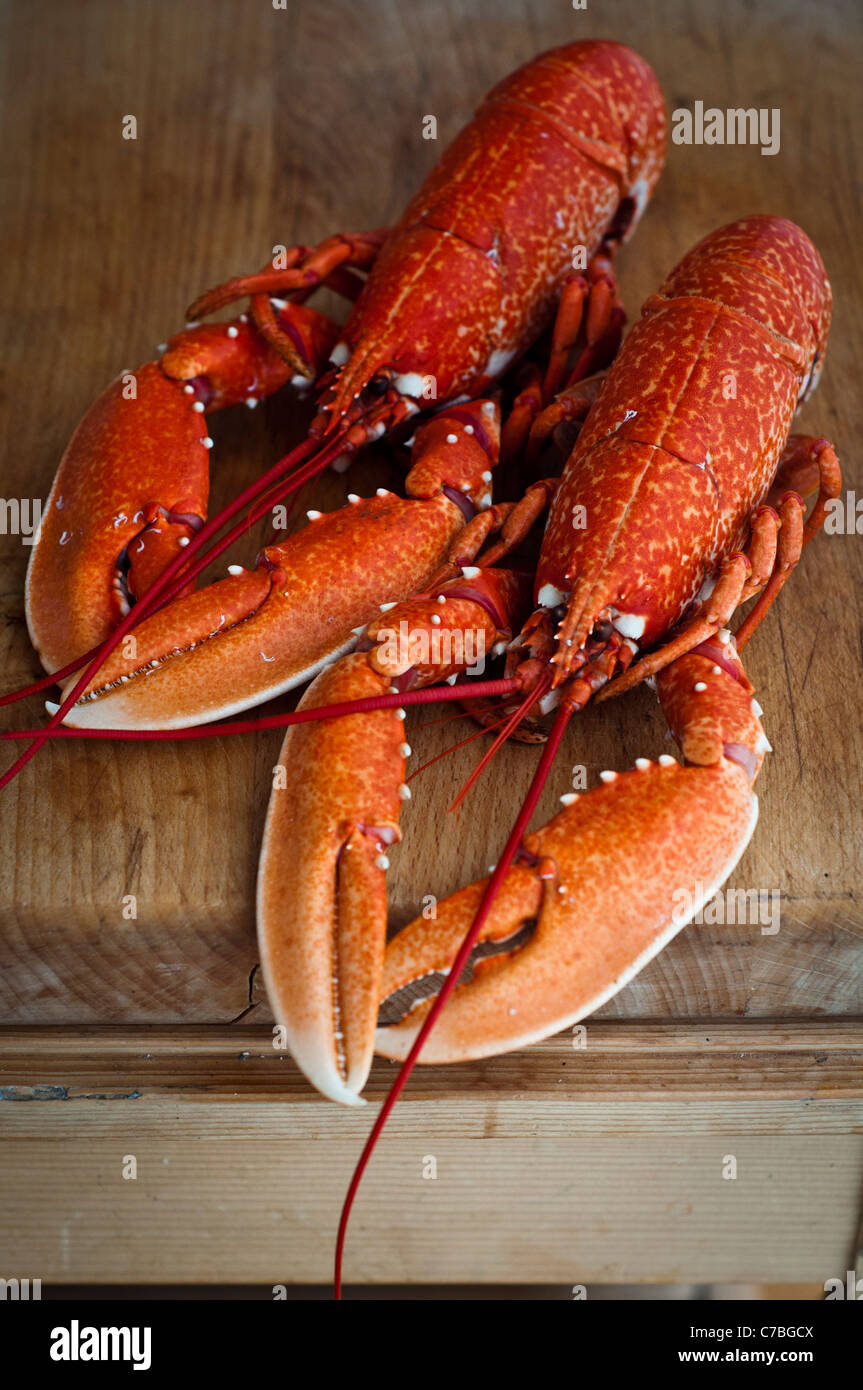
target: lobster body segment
560 154
685 437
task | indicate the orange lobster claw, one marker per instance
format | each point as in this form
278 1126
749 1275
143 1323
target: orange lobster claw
599 890
132 487
322 885
261 632
334 811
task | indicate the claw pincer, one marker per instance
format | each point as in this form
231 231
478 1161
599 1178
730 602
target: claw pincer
133 484
261 632
598 891
334 811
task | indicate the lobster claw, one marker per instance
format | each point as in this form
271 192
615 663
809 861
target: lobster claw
103 508
333 813
598 891
260 632
132 486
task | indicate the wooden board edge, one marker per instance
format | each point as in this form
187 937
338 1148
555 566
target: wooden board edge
609 1061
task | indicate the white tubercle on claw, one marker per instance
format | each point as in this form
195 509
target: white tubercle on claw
340 354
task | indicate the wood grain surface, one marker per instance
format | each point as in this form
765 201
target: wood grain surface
594 1165
258 126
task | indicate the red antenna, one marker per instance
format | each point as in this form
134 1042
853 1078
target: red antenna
458 965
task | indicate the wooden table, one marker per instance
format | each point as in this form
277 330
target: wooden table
149 1037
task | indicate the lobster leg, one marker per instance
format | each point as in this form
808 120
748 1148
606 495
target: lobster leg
591 301
330 263
591 304
740 577
570 409
596 892
333 813
808 464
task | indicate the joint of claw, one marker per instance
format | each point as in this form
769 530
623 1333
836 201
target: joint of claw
422 990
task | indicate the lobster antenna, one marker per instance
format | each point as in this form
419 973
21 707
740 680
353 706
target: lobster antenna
471 738
509 726
364 705
488 899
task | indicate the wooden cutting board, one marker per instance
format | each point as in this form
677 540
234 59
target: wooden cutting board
258 126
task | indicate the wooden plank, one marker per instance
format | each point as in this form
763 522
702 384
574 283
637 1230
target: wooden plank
594 1166
564 1209
613 1061
316 124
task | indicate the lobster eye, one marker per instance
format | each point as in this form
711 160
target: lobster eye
379 384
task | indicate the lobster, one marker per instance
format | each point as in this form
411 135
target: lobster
562 154
693 506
